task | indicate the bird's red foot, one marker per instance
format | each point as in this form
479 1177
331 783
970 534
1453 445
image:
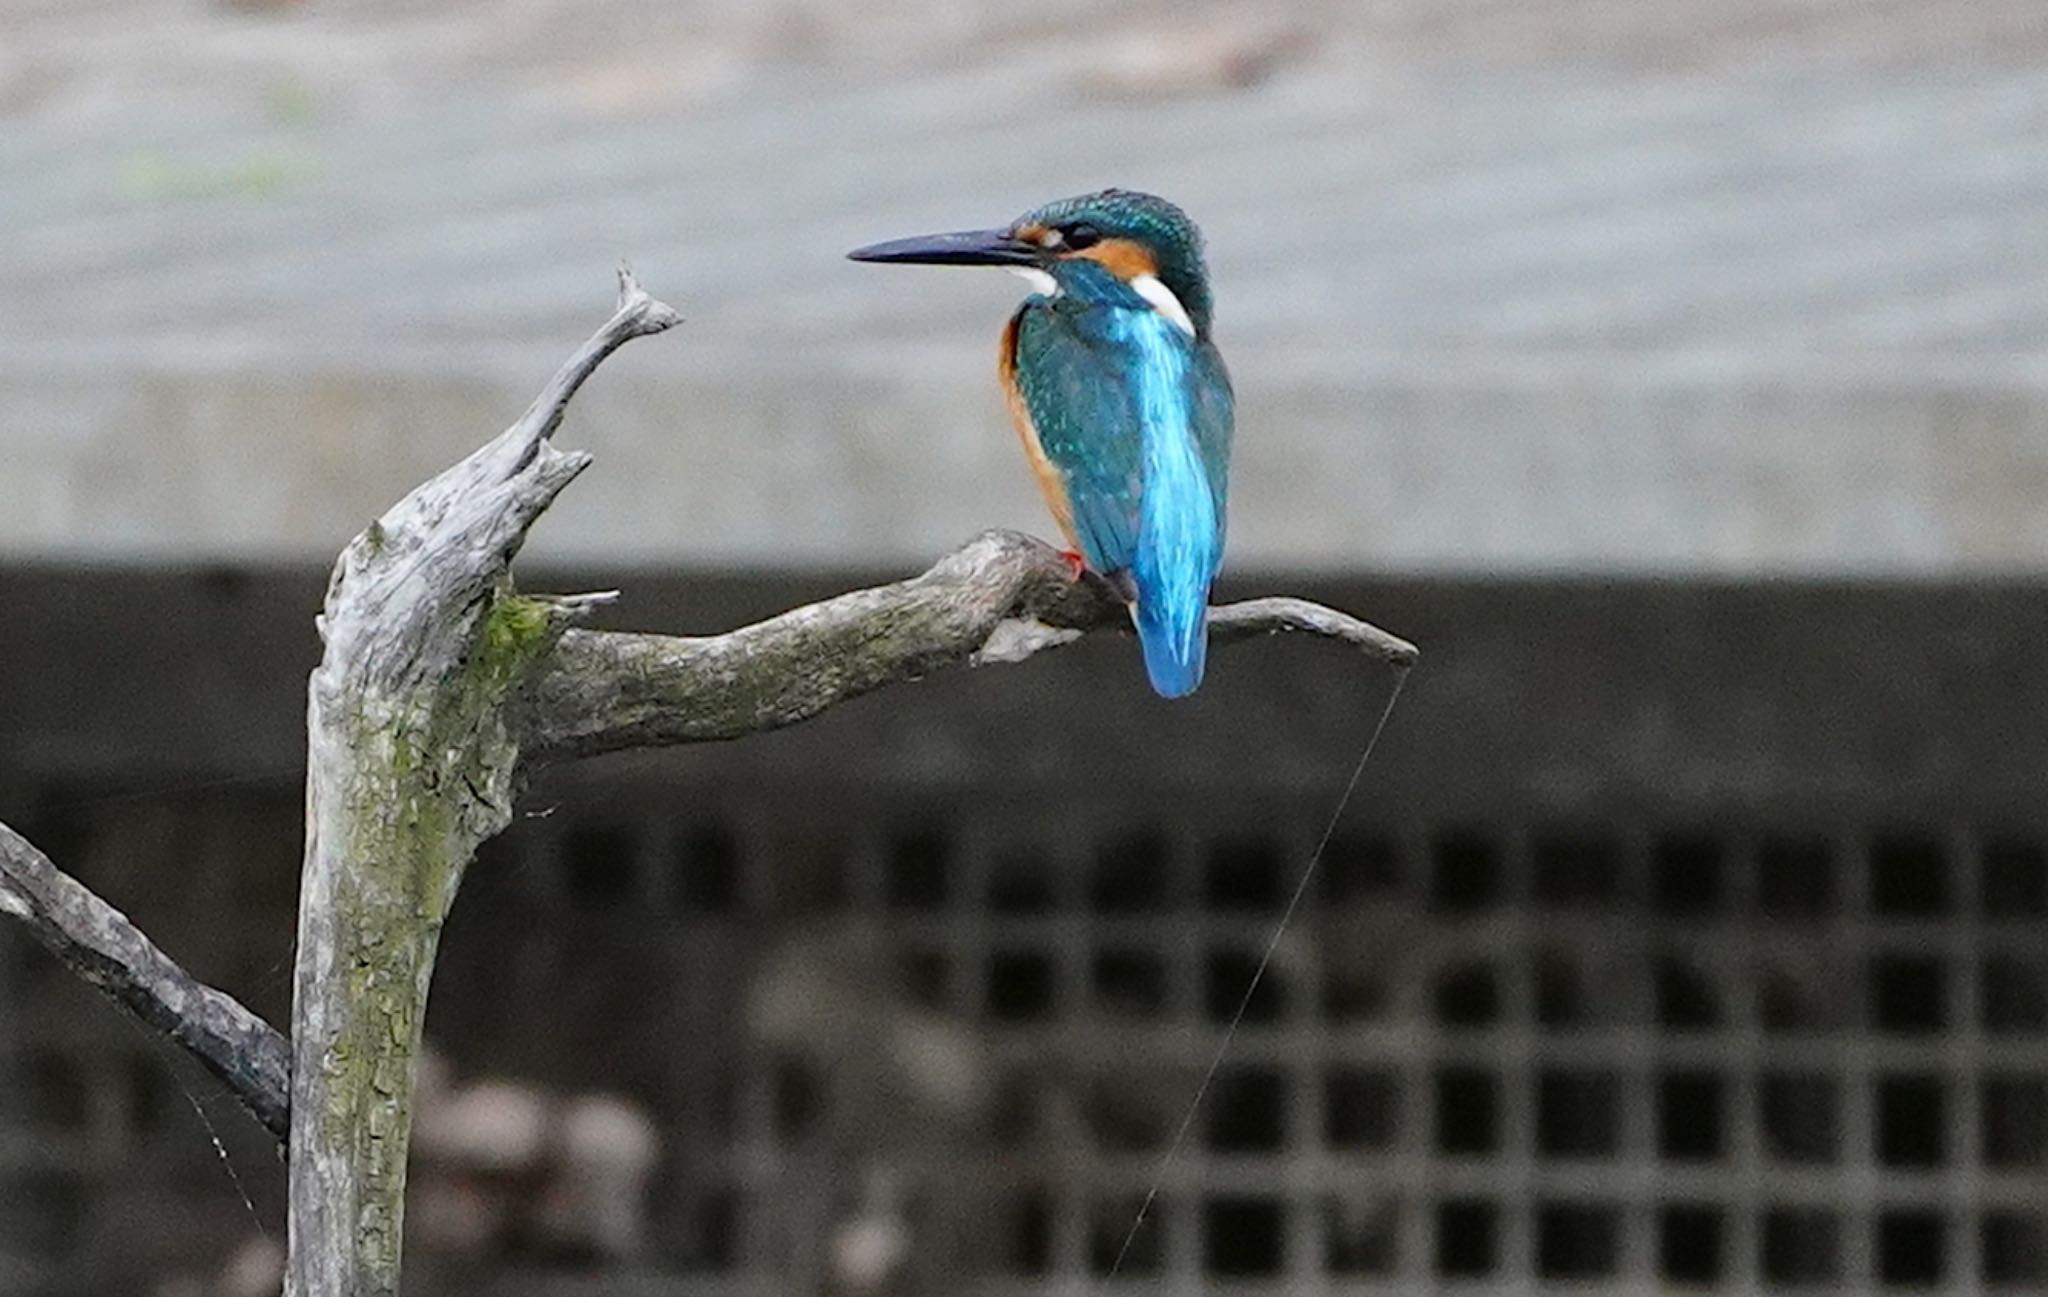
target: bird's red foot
1076 565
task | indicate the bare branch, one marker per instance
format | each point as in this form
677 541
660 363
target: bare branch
403 607
410 763
97 942
437 685
451 538
1002 597
637 316
1281 615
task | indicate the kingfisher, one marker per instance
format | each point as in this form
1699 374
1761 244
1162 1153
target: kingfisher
1120 398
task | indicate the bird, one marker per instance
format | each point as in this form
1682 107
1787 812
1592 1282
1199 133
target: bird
1121 399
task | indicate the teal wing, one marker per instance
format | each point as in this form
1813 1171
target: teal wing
1091 376
1214 420
1134 418
1074 388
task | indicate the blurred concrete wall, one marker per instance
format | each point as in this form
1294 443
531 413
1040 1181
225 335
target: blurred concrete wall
1577 286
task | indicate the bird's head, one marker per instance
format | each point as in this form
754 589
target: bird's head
1143 240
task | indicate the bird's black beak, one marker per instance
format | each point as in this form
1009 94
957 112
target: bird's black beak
964 248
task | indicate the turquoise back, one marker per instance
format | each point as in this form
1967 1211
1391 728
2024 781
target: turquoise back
1136 416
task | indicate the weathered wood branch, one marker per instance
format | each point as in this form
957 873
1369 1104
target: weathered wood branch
438 687
1002 597
97 942
410 764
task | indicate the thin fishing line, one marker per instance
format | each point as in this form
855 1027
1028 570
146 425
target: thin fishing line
1258 974
173 1067
227 1162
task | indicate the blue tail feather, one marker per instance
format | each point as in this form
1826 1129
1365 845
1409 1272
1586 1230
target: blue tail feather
1176 644
1177 553
1180 523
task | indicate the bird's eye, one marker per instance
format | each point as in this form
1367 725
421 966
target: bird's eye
1081 234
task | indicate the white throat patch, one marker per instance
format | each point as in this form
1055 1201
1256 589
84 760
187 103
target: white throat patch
1040 281
1163 301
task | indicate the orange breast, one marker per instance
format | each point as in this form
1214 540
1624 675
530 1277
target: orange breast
1051 482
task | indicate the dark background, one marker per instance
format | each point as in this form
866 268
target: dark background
1679 932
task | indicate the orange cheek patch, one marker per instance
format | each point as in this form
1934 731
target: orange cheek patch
1126 258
